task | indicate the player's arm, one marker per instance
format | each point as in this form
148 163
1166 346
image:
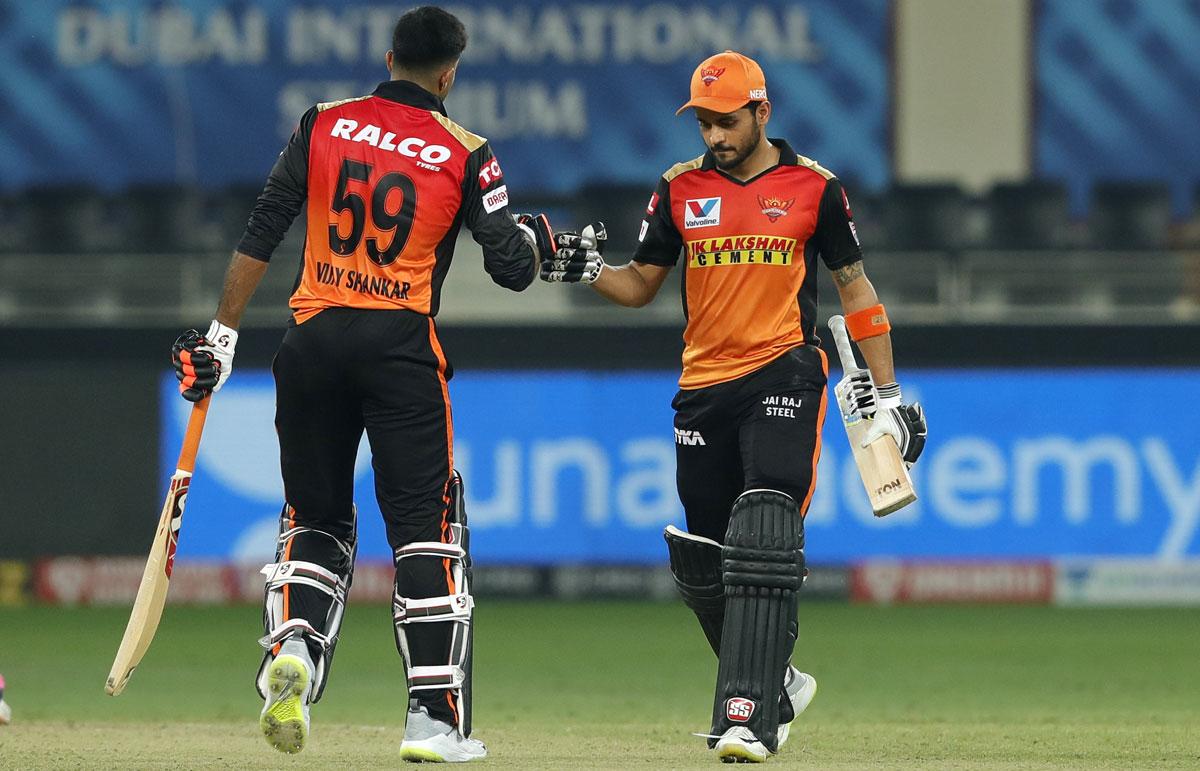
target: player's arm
580 257
867 322
511 247
633 284
204 362
858 297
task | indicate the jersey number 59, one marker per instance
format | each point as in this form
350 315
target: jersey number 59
401 220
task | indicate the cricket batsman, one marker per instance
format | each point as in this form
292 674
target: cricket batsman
750 218
386 180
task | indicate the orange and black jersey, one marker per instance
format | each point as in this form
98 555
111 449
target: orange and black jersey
389 180
750 283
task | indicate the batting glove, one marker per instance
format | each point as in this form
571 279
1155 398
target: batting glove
903 422
537 231
203 362
856 394
580 256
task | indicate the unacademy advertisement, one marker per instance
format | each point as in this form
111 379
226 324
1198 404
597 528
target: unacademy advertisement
1020 463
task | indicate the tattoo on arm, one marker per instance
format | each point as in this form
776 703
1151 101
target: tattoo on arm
848 274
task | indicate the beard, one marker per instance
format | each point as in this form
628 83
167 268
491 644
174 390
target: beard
739 156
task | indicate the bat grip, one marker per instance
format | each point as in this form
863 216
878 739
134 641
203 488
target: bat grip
191 438
841 338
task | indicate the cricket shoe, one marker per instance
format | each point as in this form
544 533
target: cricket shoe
284 718
739 745
429 740
800 690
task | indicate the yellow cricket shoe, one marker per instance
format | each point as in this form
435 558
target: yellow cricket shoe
284 718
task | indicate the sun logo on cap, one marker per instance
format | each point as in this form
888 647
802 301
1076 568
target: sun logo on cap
774 207
710 74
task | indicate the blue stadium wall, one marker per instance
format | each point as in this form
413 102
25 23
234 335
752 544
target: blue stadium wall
1040 448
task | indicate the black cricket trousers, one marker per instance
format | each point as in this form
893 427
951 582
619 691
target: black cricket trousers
759 431
339 373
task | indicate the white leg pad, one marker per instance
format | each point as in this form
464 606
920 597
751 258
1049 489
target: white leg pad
454 608
310 574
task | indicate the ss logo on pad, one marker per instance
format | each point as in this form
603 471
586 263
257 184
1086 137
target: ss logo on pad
738 709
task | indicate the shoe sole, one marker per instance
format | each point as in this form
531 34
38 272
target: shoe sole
739 753
414 752
418 755
283 723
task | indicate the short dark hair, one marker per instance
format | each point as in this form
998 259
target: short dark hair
753 107
426 38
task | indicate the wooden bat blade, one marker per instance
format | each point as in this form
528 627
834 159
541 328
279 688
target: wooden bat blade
884 475
152 592
156 578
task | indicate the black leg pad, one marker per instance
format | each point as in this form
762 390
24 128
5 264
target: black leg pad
763 568
696 566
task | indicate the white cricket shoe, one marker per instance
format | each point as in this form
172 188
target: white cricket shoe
800 689
738 745
428 740
284 720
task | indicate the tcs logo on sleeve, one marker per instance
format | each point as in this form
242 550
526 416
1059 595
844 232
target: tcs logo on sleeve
489 174
701 212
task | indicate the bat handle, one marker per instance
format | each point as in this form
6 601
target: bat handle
191 438
841 338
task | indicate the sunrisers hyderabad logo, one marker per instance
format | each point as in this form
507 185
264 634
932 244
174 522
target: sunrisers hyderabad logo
775 207
710 74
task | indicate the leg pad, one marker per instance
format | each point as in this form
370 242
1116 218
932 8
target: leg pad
763 569
306 590
696 567
450 561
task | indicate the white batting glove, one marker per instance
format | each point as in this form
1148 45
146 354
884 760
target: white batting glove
855 395
903 422
580 256
220 341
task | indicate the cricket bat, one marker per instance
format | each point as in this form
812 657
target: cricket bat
152 592
883 472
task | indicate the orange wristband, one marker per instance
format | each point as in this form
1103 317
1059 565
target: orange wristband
869 322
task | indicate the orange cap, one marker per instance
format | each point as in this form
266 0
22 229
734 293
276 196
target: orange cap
726 82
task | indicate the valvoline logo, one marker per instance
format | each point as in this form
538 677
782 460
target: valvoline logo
701 212
739 710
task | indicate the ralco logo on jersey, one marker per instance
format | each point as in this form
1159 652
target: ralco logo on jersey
701 212
413 147
740 250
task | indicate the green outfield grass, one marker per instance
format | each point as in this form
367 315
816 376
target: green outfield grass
614 685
